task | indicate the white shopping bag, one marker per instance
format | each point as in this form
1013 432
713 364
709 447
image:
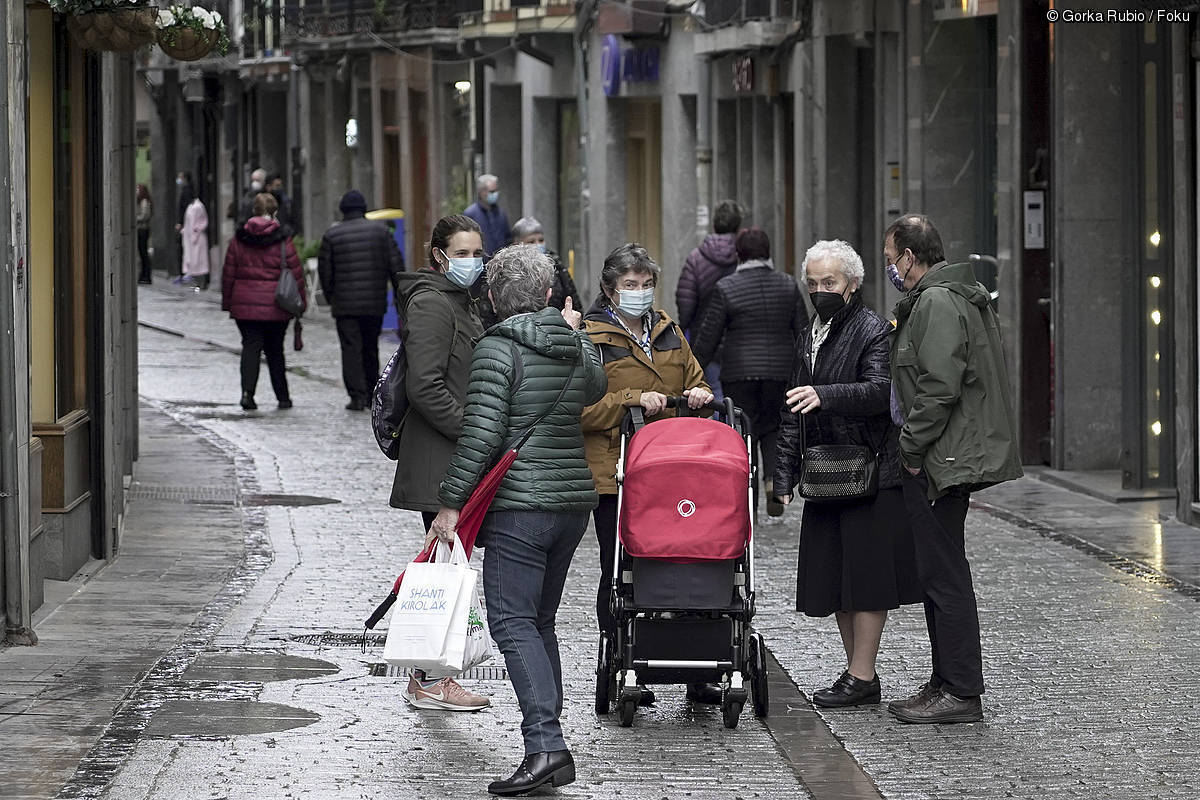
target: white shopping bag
429 623
479 641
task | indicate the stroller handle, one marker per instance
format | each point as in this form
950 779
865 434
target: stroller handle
681 403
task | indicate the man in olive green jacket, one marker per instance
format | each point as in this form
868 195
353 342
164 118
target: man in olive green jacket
950 395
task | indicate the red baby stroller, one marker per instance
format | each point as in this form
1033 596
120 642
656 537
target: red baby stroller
683 579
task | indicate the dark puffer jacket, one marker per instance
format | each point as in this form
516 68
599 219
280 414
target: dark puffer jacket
358 257
854 384
253 263
440 329
715 258
551 473
755 317
563 286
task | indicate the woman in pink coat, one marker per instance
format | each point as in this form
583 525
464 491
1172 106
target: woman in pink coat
195 243
259 252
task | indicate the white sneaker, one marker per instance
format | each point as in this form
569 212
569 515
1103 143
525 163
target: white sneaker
445 695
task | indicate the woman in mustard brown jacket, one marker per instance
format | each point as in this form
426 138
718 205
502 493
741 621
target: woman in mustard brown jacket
647 359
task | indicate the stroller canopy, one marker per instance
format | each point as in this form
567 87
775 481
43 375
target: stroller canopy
686 492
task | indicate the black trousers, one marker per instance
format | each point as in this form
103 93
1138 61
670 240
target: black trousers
359 336
762 401
258 337
951 613
605 517
144 254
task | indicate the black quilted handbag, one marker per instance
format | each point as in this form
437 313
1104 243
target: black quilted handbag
836 473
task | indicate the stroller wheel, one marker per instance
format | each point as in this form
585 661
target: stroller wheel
759 696
731 711
604 681
628 710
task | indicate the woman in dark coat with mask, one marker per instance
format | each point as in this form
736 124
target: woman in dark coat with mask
856 557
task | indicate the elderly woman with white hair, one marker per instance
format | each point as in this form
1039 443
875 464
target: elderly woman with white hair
528 230
533 371
856 557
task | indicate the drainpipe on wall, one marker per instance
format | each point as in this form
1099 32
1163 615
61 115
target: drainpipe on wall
14 521
703 146
582 26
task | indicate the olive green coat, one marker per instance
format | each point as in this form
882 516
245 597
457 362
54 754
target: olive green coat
948 372
440 329
550 473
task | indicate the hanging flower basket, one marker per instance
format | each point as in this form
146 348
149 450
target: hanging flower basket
189 33
114 29
183 43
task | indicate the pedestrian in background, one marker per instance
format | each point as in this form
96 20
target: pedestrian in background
261 249
528 230
486 211
274 185
715 258
951 395
646 359
540 512
441 325
358 258
195 243
754 318
145 212
856 556
245 209
185 194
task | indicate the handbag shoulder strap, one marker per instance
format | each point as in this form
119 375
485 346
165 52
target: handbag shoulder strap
283 255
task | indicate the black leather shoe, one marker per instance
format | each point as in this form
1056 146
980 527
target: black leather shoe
647 698
285 404
708 693
248 401
923 693
940 707
848 691
354 405
556 768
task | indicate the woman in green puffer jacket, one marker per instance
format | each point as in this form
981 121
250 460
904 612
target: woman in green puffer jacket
540 512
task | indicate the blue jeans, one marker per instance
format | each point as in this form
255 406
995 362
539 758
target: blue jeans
525 568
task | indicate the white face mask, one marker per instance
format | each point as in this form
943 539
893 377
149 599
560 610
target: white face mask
635 302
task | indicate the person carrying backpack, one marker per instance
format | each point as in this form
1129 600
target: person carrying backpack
440 328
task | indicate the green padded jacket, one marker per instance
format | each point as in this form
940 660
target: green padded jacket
949 375
551 473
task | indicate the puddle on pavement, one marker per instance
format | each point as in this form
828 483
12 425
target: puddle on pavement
259 667
222 718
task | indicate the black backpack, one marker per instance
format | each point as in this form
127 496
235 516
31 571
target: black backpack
389 402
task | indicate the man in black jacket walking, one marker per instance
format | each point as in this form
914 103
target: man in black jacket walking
754 316
358 257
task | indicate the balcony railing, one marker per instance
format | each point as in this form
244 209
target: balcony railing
321 19
733 12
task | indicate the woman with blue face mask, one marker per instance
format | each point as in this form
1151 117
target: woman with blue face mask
440 323
528 230
647 359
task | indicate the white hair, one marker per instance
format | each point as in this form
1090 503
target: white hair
483 180
838 252
518 278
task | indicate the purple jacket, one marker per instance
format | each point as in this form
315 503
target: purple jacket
715 258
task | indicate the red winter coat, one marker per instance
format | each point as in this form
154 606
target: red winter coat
251 272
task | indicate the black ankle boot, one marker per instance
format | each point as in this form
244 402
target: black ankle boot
248 401
848 691
556 768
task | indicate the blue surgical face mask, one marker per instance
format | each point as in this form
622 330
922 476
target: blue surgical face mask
541 247
893 275
463 271
635 302
493 198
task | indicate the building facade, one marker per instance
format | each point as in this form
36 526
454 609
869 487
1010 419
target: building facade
68 402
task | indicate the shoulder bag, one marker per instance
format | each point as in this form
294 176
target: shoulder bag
287 291
836 473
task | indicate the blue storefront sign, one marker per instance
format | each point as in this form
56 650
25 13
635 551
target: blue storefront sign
632 65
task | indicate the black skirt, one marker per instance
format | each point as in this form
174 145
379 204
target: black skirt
856 556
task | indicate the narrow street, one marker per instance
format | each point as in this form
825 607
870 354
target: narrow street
225 661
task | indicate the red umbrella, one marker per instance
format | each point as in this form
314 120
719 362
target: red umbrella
470 519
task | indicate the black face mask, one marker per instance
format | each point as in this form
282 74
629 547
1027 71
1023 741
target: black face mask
827 304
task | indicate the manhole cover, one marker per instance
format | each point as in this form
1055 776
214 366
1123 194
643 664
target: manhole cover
485 673
183 494
286 500
328 639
